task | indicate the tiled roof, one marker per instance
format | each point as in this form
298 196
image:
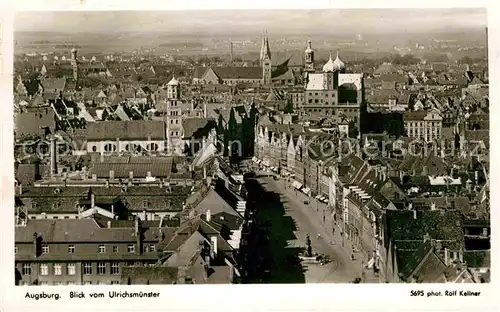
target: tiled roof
430 270
26 173
436 166
54 84
159 167
408 261
385 68
416 115
440 225
478 259
126 130
238 72
79 231
149 275
394 78
31 123
192 126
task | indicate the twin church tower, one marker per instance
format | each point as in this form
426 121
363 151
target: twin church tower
265 60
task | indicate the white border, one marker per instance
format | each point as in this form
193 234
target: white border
238 297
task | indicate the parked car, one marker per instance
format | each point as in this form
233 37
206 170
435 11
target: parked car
306 202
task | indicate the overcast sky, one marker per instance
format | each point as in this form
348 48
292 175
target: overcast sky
321 21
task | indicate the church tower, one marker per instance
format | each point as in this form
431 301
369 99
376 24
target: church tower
174 117
74 63
265 60
309 58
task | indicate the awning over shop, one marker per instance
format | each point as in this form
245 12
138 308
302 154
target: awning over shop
296 184
306 191
318 197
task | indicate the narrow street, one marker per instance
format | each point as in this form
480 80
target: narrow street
288 221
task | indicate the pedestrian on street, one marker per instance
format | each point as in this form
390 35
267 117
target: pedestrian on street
352 257
324 219
333 230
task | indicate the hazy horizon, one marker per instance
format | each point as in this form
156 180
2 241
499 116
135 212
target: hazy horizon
245 21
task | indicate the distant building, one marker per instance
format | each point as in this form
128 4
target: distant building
112 137
333 92
84 252
423 125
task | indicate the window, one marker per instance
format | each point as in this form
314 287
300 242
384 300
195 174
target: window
57 269
152 248
71 269
115 268
44 269
66 217
131 248
55 217
26 269
15 250
45 249
70 283
115 248
87 268
44 284
87 283
71 249
101 268
102 249
115 282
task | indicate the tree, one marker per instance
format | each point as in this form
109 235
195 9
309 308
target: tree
309 248
289 107
174 166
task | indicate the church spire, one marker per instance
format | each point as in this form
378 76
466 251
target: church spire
265 52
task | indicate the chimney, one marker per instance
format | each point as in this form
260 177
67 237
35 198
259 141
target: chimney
107 184
144 215
415 214
424 171
208 215
476 176
204 110
92 200
20 189
112 209
109 224
401 176
138 234
53 156
94 177
111 174
131 175
35 244
204 172
446 257
433 206
117 145
213 243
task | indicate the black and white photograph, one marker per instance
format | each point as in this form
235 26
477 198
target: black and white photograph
334 146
